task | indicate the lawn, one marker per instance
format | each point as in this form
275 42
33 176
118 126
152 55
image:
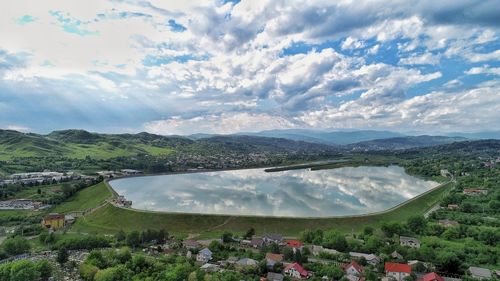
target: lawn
110 219
89 197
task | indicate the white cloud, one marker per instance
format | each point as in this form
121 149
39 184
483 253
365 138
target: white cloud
220 124
486 69
427 58
352 43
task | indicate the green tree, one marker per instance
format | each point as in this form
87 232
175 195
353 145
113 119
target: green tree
250 233
227 237
62 255
120 236
417 224
133 239
117 273
23 270
44 268
335 240
16 245
368 230
87 271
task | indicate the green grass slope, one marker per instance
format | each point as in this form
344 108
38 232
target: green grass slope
86 198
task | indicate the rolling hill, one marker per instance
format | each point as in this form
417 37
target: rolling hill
401 143
80 144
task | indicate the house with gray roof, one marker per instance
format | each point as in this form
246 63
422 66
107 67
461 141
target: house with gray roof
409 242
480 273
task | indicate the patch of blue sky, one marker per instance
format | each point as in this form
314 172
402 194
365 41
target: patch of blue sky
25 20
151 60
234 2
488 47
335 99
70 25
176 27
301 47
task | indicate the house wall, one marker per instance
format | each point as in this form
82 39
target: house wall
398 275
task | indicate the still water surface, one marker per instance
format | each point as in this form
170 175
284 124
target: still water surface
295 193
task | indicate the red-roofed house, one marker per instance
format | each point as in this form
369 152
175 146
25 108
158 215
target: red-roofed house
294 244
433 276
353 268
295 270
397 271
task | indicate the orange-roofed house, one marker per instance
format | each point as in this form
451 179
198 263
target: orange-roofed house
433 276
295 270
272 259
53 221
397 271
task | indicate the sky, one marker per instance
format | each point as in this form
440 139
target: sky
183 67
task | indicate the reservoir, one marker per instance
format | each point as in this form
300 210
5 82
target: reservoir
293 193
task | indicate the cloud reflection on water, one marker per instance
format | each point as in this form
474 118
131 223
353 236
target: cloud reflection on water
296 193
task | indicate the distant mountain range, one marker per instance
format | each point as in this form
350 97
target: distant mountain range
400 143
352 137
80 143
316 136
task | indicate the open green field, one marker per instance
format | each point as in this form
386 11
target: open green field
110 219
87 198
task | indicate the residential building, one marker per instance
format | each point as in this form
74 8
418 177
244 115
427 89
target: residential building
257 243
475 191
295 270
480 273
409 242
316 250
204 256
272 238
190 244
246 262
432 276
53 221
397 271
295 244
370 258
453 206
396 255
353 268
208 267
272 259
69 219
271 276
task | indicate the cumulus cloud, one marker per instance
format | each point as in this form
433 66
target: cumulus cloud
220 124
176 67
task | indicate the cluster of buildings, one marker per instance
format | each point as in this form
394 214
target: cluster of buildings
22 204
226 161
121 201
45 177
353 270
120 173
